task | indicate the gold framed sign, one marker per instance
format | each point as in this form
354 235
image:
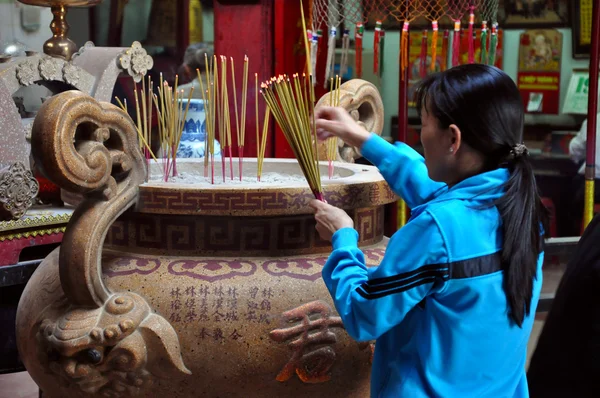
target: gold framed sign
581 11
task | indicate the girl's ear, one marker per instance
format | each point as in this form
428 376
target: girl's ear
455 138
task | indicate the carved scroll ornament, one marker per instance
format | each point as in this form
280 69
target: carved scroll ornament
18 189
363 101
98 340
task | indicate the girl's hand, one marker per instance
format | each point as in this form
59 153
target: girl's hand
330 219
337 122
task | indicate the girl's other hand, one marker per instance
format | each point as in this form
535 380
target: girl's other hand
330 219
337 122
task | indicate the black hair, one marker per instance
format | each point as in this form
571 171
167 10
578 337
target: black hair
194 56
486 105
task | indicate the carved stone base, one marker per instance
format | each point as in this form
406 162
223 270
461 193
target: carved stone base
18 189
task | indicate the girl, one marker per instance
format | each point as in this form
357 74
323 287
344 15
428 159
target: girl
453 302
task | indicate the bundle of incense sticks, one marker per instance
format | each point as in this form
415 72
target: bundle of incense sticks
332 142
171 113
289 102
172 108
144 124
292 106
217 113
240 128
171 120
224 119
207 99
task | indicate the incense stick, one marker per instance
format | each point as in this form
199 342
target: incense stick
242 138
263 142
258 141
172 116
206 117
144 145
223 118
227 119
214 109
332 142
237 121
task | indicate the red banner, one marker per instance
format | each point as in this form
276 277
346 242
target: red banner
540 91
538 78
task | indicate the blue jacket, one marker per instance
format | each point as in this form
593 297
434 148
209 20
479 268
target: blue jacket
435 305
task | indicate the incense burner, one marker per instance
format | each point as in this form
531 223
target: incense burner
180 290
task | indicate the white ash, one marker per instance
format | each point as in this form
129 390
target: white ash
267 179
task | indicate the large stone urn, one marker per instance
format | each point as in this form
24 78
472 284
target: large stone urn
183 290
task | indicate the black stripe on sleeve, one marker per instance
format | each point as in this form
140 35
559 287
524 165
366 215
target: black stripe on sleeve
381 287
404 275
439 272
399 289
470 268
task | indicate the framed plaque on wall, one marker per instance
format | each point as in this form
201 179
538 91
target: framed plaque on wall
581 13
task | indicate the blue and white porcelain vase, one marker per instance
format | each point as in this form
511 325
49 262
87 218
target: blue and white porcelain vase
192 143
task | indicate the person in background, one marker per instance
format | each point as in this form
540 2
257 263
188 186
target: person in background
452 304
566 361
577 150
194 59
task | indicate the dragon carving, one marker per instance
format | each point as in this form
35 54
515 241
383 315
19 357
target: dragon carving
96 340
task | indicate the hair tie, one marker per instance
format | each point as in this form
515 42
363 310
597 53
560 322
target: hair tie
519 150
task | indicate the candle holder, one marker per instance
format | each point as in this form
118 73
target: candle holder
59 45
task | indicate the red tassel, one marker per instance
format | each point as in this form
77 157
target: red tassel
434 41
423 63
404 48
456 43
376 40
358 43
320 44
471 39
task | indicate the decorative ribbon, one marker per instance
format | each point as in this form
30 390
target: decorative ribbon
404 48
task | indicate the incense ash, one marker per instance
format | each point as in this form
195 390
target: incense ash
268 179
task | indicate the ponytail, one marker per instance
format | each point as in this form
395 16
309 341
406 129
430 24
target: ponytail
524 218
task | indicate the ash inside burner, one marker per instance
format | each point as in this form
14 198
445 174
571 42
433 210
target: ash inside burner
267 179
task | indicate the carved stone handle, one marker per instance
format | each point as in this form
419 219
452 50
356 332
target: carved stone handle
363 101
90 148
